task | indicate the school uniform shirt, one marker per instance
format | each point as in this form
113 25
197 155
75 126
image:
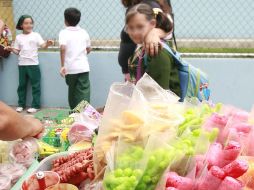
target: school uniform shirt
75 40
161 68
28 45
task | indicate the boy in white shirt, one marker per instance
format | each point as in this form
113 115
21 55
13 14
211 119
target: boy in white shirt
74 46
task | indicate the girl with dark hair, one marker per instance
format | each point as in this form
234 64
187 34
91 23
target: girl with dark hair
26 47
152 40
140 20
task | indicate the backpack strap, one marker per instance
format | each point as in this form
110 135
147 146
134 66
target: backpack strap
166 46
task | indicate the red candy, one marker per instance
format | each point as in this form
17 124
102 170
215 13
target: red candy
236 168
181 183
212 180
231 152
214 157
217 172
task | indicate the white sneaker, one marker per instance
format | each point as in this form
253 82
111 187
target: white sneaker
19 109
32 110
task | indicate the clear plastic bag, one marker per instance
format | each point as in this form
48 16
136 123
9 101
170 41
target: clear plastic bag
79 132
248 178
13 170
118 101
124 169
127 114
24 152
5 182
158 156
88 115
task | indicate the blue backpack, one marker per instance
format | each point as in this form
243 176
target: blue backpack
193 82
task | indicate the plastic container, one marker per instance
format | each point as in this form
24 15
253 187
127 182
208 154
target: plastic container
62 186
5 182
46 164
41 180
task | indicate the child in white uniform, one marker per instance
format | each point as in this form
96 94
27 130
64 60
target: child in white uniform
26 46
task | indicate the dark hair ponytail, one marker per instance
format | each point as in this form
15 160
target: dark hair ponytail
163 22
130 3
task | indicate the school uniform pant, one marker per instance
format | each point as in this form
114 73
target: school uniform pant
79 88
30 73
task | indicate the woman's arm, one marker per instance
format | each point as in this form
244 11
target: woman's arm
14 126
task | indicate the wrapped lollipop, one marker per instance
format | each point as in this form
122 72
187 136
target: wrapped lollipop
23 152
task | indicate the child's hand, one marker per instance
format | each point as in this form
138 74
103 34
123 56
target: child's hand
49 43
63 71
8 48
127 77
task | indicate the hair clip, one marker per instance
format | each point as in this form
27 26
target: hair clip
156 11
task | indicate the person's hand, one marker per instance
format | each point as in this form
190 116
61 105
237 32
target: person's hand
36 126
127 77
153 43
49 43
63 71
8 48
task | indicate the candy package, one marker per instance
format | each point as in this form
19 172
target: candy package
87 114
79 132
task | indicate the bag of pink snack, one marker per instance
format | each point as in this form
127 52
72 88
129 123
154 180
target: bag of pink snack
24 152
